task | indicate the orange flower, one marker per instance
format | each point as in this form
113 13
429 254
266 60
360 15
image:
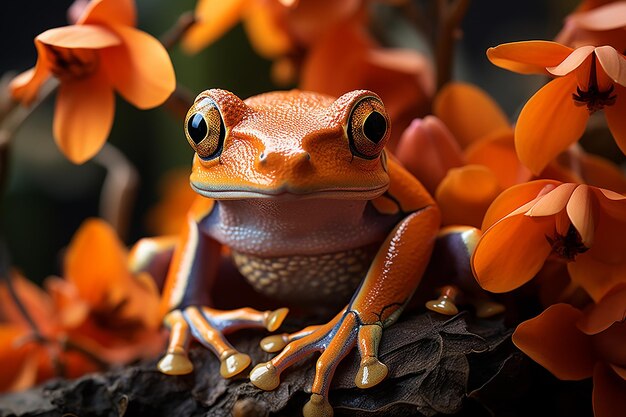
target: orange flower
403 78
603 25
463 181
274 27
574 345
588 79
25 358
261 21
103 52
578 224
102 303
100 314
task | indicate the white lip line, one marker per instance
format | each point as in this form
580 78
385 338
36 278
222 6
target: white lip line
253 193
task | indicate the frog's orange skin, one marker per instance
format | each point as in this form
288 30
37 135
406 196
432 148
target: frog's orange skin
297 179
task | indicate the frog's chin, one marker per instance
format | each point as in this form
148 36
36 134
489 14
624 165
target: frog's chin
285 193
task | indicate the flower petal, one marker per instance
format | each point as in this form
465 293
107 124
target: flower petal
140 70
607 17
515 197
497 152
528 57
428 150
79 36
14 360
268 38
608 392
511 252
95 262
25 87
83 117
610 229
613 63
595 276
552 202
213 18
553 340
538 138
465 193
573 61
469 112
109 12
582 213
615 117
610 309
602 172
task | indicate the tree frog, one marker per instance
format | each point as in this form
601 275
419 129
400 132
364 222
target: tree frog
300 189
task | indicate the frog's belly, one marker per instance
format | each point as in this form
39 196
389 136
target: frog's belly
327 279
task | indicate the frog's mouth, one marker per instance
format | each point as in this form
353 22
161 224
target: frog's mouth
289 193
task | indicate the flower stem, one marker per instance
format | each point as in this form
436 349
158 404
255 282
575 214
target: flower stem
119 188
170 38
450 14
5 275
12 117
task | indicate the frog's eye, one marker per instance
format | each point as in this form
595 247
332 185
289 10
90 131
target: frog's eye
368 128
205 129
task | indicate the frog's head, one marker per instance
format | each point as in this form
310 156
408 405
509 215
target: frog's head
288 144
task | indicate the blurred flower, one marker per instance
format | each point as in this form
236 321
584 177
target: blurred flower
603 25
588 79
274 27
169 214
103 52
575 345
464 155
262 20
31 352
121 310
574 223
99 315
428 150
403 78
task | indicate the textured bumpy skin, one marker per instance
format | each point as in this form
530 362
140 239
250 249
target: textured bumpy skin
298 186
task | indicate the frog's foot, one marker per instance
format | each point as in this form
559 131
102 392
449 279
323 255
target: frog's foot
446 303
208 326
335 340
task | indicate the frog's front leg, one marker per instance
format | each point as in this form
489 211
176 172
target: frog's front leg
184 306
377 303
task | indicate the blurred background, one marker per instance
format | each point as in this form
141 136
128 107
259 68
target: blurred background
45 198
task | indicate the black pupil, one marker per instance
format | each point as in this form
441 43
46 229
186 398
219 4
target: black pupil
197 128
375 127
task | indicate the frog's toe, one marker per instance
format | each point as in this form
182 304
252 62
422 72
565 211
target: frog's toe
371 370
233 362
276 343
445 304
265 376
273 319
175 363
318 406
370 373
175 360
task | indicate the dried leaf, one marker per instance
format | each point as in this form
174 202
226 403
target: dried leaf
432 362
